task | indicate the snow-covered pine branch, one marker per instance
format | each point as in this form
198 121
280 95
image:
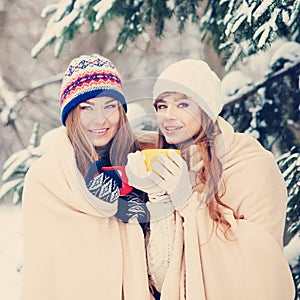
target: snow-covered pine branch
11 99
260 84
229 22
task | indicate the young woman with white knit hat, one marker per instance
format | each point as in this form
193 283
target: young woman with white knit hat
217 211
77 244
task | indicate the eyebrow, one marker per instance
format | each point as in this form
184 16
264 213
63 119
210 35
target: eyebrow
88 102
92 103
109 101
176 100
160 100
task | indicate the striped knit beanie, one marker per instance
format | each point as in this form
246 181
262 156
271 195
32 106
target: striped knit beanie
195 79
87 77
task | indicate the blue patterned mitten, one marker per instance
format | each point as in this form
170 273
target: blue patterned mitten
132 206
104 185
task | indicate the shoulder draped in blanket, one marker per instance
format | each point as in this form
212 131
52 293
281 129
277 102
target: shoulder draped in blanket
73 248
203 264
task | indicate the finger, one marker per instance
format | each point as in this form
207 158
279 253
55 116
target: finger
168 164
141 164
133 154
156 179
178 161
175 157
131 159
136 161
130 168
133 162
161 170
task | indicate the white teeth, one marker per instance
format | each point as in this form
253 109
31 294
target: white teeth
99 131
171 128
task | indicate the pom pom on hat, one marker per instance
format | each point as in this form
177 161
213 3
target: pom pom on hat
195 79
87 77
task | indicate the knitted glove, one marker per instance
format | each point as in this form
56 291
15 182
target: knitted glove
105 185
139 177
174 178
131 206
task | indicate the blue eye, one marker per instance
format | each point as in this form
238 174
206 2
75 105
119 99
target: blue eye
183 105
86 107
112 105
161 106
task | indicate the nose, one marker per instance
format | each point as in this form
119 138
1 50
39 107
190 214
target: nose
98 117
171 112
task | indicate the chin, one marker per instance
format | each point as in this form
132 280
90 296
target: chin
100 143
172 142
177 141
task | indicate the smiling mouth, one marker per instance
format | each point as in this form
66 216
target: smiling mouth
99 131
172 128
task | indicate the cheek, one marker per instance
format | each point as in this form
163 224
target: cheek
194 123
194 128
114 117
84 120
159 119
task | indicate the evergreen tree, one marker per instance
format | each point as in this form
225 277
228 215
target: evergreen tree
16 167
237 29
268 110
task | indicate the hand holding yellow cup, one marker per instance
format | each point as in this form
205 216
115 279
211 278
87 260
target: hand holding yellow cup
151 156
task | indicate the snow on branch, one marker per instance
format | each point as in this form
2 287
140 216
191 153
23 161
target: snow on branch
262 8
295 12
244 13
64 15
12 99
266 29
292 70
9 101
101 8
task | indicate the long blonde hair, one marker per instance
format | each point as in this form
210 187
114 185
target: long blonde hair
208 178
85 152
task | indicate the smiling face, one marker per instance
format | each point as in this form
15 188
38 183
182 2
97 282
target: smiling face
99 118
178 117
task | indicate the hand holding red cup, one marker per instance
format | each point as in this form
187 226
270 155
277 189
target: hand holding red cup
126 188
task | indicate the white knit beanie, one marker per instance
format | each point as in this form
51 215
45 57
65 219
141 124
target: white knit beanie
195 79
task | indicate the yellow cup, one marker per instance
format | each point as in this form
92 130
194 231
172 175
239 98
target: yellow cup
151 155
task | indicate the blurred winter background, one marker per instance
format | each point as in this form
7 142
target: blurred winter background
252 45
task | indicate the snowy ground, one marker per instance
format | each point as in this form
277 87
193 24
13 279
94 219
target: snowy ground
11 243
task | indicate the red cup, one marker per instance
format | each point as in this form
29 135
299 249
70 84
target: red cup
126 188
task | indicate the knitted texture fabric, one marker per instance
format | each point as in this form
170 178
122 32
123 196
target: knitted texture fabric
195 79
159 249
87 77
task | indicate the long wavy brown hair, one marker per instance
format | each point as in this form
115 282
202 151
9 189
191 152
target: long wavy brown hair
85 152
209 178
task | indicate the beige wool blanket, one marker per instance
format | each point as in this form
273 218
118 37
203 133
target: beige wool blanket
73 248
251 266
